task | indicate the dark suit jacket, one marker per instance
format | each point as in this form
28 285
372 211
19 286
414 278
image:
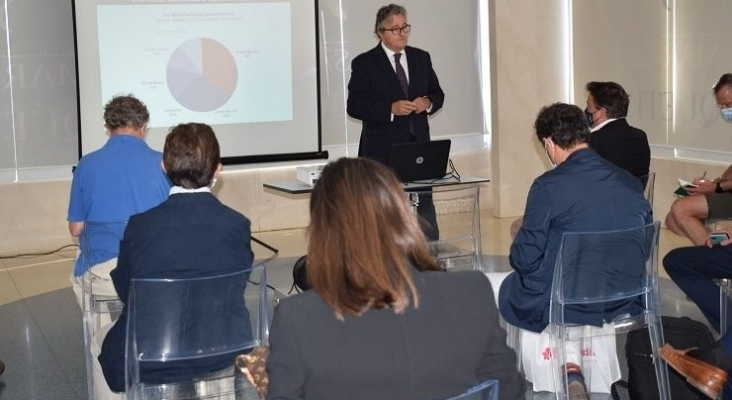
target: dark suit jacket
374 87
451 342
188 235
624 146
585 193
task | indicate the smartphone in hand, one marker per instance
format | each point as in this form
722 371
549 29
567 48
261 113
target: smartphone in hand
717 237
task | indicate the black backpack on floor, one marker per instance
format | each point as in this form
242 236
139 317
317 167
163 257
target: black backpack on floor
299 274
681 333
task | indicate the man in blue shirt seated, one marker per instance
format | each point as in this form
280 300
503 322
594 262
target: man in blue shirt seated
122 178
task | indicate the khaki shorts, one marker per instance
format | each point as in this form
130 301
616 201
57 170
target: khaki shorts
719 205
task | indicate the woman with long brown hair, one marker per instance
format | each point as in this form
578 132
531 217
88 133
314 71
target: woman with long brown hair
381 321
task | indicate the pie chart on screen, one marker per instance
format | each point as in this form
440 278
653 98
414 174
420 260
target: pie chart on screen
201 74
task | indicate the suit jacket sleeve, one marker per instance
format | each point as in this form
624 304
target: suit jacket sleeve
434 91
362 104
528 248
284 365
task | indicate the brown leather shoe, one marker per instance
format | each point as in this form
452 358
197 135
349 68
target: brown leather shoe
705 377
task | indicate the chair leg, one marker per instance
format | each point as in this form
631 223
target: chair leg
558 353
656 337
88 337
513 340
723 300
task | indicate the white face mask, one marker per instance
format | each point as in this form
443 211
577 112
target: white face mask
726 114
546 150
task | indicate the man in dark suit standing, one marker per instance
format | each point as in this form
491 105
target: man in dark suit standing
393 89
392 98
611 135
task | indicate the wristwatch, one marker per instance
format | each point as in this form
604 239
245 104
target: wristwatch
718 188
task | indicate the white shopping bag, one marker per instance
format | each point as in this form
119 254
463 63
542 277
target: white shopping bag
600 365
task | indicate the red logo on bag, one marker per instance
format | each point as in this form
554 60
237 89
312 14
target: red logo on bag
547 353
587 352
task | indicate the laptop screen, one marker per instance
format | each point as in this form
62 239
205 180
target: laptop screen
420 161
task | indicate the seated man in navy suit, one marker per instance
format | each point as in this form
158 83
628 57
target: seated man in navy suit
583 193
190 235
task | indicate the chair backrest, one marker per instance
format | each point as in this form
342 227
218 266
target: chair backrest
487 390
649 182
99 241
458 221
179 330
264 254
600 270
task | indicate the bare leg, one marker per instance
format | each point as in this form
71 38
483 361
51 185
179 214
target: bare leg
672 225
686 218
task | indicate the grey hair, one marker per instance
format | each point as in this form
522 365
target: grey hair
384 13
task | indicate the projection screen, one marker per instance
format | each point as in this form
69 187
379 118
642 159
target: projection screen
248 68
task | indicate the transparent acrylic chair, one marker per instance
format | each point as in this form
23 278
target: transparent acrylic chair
725 286
487 390
613 276
648 187
100 303
458 221
264 254
196 322
725 290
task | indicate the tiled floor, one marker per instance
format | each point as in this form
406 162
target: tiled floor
40 322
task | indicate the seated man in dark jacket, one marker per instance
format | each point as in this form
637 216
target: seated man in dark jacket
584 193
190 235
610 134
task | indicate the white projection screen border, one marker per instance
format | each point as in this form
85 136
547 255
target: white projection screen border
247 68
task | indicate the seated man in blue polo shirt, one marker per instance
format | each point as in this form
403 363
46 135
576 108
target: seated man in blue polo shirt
123 178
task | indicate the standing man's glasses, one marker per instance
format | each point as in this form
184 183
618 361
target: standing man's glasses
396 31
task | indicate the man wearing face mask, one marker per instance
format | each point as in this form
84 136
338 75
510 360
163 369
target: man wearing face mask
696 271
583 193
687 214
611 135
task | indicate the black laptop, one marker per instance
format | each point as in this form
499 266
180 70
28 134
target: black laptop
420 161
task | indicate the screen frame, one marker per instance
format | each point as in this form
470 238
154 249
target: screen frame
235 159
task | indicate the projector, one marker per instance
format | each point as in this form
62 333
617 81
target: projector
309 174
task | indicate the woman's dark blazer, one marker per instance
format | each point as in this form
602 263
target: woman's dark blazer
446 345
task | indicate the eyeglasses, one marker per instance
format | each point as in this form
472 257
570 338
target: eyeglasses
397 31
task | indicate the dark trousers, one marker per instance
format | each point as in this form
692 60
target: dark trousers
427 216
694 270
